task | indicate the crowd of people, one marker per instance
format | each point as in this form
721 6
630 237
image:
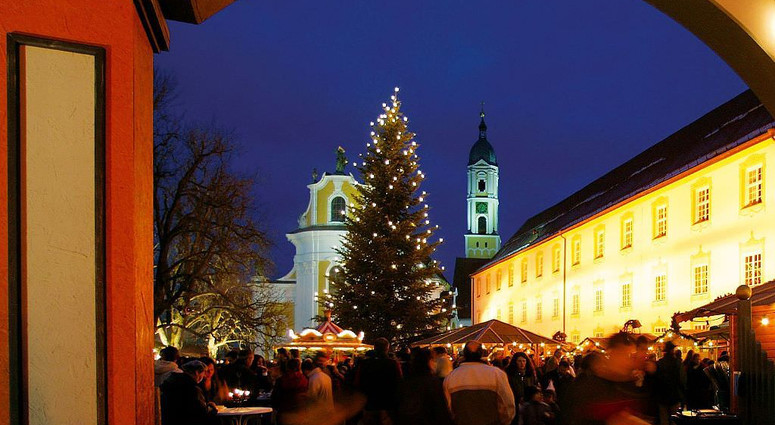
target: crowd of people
627 384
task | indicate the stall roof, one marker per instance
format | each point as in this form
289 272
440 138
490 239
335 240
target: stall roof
763 294
489 332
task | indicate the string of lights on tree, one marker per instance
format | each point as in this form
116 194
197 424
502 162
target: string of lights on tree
384 282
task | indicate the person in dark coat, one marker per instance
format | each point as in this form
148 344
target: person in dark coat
667 386
534 411
378 378
521 375
421 394
290 390
182 401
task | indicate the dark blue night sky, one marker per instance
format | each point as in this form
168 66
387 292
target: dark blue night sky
572 89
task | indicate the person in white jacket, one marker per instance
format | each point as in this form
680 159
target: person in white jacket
320 393
477 393
166 364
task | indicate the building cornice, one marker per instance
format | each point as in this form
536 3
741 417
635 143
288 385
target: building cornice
155 25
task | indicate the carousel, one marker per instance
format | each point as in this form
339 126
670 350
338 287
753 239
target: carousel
327 336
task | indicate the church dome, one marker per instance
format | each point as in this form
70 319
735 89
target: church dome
482 149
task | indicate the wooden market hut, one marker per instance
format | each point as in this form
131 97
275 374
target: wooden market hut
752 348
491 333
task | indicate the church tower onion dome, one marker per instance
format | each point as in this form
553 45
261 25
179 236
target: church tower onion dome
482 149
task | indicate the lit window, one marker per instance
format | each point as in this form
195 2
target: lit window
660 222
658 330
478 287
539 310
498 277
575 338
523 271
511 312
598 300
487 283
338 209
511 274
599 244
498 314
627 233
539 263
753 269
701 279
660 287
575 305
753 186
556 256
556 307
627 295
598 334
702 205
524 311
576 246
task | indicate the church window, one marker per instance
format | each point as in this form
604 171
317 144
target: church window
478 287
556 255
753 269
338 209
575 305
702 204
700 275
539 309
511 312
598 300
524 311
482 224
660 221
576 250
523 271
487 283
556 307
627 295
753 185
660 290
539 263
482 185
511 274
599 243
498 278
627 233
334 276
498 314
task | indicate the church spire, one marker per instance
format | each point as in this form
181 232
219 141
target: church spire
482 125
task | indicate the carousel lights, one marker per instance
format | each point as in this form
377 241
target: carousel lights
765 321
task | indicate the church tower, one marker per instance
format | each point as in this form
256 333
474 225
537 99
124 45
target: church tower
482 238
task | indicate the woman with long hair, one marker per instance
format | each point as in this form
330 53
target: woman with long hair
521 374
212 386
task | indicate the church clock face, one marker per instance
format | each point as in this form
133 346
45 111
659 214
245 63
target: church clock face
481 207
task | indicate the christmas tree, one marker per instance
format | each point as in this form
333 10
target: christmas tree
384 285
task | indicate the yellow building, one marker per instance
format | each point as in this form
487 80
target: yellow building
319 234
671 229
317 239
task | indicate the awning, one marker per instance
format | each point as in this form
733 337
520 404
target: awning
489 332
763 294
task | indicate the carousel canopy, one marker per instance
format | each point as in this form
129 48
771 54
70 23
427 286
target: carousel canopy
490 332
327 336
603 341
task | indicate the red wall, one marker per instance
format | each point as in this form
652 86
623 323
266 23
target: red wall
115 26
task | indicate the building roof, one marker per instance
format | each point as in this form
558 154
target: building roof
726 127
464 267
482 149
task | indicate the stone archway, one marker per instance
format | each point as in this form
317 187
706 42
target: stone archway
742 33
